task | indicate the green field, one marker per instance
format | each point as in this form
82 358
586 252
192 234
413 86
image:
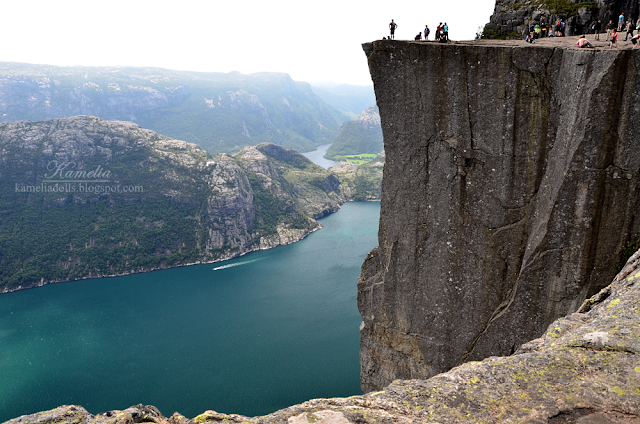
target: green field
362 158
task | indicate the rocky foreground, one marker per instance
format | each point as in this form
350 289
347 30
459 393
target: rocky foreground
584 369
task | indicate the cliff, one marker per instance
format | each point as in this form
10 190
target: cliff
583 370
513 16
510 190
82 197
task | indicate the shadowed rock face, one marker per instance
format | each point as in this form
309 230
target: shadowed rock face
510 188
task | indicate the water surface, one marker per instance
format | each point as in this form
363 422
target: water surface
258 333
317 157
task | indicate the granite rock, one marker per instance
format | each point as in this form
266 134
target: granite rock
510 190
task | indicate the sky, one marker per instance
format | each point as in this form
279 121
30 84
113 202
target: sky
311 41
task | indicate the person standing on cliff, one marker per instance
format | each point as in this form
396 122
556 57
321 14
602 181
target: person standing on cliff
620 21
427 31
614 39
392 28
610 29
446 31
596 29
629 30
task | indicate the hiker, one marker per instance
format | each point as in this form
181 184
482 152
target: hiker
536 31
634 40
614 39
610 29
584 43
392 27
556 29
427 31
629 30
596 29
620 21
561 28
418 37
446 31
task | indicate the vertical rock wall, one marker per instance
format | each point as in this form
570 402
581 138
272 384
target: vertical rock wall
510 189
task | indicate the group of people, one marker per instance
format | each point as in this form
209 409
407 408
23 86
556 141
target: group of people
540 30
441 35
537 30
612 30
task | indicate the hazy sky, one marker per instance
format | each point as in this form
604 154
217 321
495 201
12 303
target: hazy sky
311 41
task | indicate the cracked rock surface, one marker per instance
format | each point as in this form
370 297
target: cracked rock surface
510 189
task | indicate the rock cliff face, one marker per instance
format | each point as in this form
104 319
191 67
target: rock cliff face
82 197
510 189
512 16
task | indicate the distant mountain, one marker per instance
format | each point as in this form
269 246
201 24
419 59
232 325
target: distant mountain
357 137
83 197
221 112
349 99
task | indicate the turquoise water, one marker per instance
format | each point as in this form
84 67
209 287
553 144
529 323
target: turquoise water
277 328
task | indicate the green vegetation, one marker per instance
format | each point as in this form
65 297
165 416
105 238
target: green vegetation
565 7
187 205
360 159
219 112
355 138
365 180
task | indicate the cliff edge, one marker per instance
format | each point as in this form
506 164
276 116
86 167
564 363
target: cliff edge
510 190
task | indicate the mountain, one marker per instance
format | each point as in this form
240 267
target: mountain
357 137
83 197
351 100
221 112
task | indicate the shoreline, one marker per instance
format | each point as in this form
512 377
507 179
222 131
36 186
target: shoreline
257 248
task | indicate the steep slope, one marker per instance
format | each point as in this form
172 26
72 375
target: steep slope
510 189
83 197
219 112
357 137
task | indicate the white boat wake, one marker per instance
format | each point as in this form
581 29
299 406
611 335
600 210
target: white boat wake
234 264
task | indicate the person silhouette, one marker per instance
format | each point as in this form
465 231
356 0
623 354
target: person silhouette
392 27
